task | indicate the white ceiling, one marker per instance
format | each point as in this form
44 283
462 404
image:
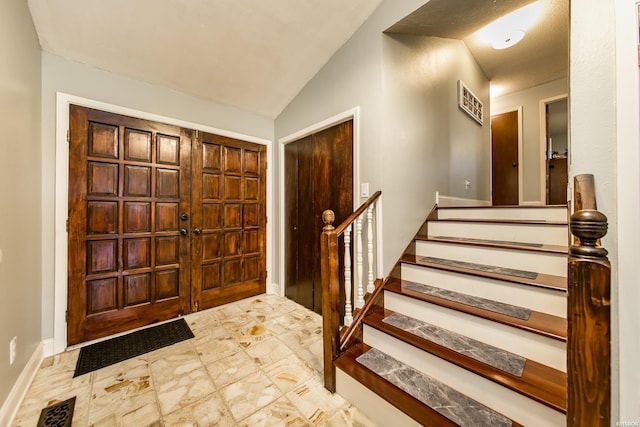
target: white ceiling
252 54
256 55
542 56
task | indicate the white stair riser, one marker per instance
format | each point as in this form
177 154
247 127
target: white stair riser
522 214
373 406
501 399
548 351
535 298
540 262
525 233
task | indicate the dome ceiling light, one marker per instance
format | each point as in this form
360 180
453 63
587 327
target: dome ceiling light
509 29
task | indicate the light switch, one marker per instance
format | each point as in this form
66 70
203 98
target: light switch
364 189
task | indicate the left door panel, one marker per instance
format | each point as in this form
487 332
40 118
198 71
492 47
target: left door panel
129 223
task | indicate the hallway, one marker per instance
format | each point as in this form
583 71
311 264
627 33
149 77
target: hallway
257 362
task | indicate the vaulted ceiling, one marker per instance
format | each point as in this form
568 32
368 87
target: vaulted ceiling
261 53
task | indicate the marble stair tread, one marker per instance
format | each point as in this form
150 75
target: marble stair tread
474 301
541 280
447 401
540 323
535 380
393 394
502 244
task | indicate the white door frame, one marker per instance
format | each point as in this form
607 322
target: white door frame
520 154
351 114
62 196
543 144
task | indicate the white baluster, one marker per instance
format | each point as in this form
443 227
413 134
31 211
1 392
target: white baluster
358 244
348 310
370 287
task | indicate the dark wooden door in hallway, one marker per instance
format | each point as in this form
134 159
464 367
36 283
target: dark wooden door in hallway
504 158
163 221
318 176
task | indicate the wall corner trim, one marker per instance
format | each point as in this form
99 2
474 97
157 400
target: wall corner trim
19 390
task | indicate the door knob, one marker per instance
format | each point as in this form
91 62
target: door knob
184 231
184 217
513 164
197 231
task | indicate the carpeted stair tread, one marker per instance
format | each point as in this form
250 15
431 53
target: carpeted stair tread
447 401
537 381
540 323
399 398
541 280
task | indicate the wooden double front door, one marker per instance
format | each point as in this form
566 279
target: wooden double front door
163 221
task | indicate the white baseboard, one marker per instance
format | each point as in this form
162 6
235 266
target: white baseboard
48 348
442 201
19 390
533 203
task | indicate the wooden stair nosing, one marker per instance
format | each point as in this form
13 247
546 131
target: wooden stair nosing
553 249
543 280
538 381
397 397
534 222
539 323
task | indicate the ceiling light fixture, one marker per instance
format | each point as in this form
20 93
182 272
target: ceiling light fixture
509 29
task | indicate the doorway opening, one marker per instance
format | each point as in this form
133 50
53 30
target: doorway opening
556 145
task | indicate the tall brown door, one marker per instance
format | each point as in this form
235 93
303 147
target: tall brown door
229 220
504 158
137 224
318 176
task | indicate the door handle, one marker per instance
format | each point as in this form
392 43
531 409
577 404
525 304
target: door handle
197 231
513 164
184 217
184 231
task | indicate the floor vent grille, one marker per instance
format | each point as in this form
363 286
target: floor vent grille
58 415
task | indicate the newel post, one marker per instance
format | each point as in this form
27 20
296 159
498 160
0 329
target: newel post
330 291
589 334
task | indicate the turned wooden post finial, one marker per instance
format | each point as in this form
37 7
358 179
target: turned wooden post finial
588 226
328 217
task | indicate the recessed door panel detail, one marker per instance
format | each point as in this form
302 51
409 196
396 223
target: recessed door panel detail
137 145
103 140
163 221
102 179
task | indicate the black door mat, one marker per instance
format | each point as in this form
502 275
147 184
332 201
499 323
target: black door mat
58 415
109 352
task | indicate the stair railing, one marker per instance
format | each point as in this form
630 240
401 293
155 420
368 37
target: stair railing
363 220
589 313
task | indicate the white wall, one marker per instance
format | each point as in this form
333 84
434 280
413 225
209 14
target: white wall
428 143
533 160
628 209
61 75
604 116
20 274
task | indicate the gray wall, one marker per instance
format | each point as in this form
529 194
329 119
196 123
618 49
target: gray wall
428 143
532 152
404 142
20 275
61 75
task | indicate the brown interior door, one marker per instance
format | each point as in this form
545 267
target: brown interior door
504 158
318 176
229 220
162 222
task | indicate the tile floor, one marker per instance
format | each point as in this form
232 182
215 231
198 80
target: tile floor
257 362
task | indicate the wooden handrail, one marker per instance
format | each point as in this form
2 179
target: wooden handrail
329 265
588 313
351 218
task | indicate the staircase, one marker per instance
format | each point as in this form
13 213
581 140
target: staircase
470 329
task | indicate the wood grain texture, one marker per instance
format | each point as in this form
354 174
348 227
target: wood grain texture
539 382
